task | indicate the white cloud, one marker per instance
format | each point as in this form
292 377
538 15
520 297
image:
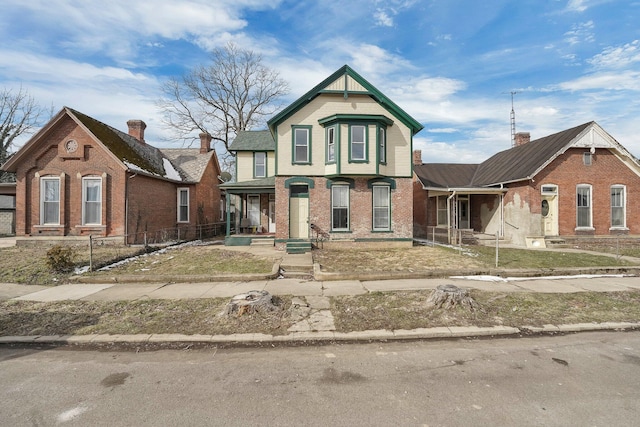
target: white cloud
383 19
577 5
442 130
617 57
627 80
582 32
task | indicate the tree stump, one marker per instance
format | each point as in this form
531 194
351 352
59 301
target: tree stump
449 296
250 302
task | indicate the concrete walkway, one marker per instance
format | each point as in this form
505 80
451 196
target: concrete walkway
311 303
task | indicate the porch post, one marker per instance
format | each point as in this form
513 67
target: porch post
228 209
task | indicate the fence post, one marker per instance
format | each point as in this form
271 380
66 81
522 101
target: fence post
145 240
433 235
178 234
497 245
90 253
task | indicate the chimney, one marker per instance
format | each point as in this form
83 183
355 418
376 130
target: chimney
522 138
417 157
136 129
205 143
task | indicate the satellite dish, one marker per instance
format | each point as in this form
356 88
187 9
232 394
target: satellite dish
225 176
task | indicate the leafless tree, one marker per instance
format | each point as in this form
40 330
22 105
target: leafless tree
235 92
19 115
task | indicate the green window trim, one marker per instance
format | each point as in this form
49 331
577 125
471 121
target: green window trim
256 164
354 130
297 150
340 208
331 136
299 180
381 208
382 145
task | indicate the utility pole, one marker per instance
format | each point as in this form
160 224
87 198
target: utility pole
513 121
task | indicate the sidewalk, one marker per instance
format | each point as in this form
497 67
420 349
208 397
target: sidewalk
317 325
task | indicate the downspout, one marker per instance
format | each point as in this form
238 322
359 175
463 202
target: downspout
449 216
502 211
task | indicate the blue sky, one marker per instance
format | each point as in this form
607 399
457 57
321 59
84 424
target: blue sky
451 64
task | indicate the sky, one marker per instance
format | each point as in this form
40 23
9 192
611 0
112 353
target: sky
453 65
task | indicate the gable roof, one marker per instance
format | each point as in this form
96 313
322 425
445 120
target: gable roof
522 162
369 89
170 164
526 160
253 140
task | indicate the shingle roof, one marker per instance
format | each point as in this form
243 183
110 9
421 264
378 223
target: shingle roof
190 163
445 175
264 183
124 146
523 161
515 164
253 140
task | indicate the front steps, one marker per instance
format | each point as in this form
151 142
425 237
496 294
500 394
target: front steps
298 247
263 242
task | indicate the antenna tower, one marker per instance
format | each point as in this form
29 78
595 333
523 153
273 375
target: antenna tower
513 121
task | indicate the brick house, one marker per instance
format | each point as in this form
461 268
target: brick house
78 177
573 185
334 166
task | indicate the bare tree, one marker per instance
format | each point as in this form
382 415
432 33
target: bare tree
235 92
19 115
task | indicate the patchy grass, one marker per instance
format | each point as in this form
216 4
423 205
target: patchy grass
417 258
194 260
425 258
199 316
528 258
408 310
378 310
28 263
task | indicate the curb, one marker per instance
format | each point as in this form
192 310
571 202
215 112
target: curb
321 337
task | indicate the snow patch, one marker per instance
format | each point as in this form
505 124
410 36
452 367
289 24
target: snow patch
170 171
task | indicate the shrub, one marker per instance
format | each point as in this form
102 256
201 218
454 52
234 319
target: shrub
60 258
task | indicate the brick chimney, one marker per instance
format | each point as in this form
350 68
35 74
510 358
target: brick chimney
417 157
136 129
205 143
522 138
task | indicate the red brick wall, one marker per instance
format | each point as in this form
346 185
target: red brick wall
48 159
568 170
207 197
360 213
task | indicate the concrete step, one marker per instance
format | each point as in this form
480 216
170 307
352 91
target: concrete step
262 242
299 247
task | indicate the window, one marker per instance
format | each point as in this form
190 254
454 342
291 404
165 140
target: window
183 205
340 207
442 210
331 144
583 196
91 201
253 210
301 145
382 145
259 165
358 142
586 158
618 217
381 208
50 201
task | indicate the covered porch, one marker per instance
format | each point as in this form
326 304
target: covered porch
465 215
250 212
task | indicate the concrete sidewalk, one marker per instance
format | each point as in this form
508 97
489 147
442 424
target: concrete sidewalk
316 323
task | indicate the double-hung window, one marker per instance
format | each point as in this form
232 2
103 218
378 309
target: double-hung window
618 215
358 142
302 144
331 144
381 208
91 201
442 210
50 201
259 165
382 145
340 207
183 205
583 205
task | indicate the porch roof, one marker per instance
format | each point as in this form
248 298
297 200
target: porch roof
264 185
